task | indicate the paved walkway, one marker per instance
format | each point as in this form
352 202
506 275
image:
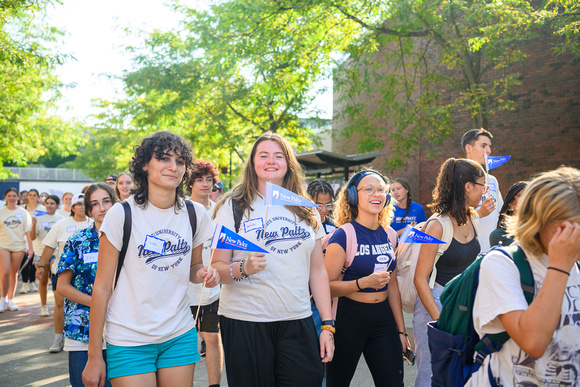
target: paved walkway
25 361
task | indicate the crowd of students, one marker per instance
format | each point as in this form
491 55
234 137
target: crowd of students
133 255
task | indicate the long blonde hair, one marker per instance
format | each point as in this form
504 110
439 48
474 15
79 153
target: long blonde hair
246 191
344 212
550 197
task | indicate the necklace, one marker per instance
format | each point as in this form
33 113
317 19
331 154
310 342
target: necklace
465 235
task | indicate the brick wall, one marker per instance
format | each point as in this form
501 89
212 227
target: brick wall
542 133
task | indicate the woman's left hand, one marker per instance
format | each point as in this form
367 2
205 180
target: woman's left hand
209 276
326 346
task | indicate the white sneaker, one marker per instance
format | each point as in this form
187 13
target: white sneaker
11 305
58 344
32 287
2 305
44 311
24 288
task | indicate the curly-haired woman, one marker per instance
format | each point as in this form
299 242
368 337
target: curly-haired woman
460 186
151 337
369 318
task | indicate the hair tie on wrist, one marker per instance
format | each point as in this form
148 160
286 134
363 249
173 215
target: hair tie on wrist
560 270
357 285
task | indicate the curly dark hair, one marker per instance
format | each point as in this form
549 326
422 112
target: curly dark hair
202 168
156 146
449 193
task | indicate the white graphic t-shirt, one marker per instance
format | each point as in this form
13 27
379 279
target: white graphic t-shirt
14 224
500 292
59 234
150 303
44 224
194 291
489 223
280 292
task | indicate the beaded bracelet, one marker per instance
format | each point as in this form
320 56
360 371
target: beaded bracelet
328 328
232 273
242 271
404 334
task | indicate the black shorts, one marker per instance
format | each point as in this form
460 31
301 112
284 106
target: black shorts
54 280
207 320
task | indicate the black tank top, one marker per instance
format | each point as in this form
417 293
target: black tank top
456 259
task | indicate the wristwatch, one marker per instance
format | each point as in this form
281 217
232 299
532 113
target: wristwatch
328 322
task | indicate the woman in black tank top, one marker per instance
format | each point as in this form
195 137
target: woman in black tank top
460 186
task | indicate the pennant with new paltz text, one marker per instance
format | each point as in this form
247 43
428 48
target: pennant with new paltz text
226 239
276 195
497 161
412 235
38 213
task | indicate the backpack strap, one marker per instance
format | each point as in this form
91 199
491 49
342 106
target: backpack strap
238 215
446 236
351 244
127 224
192 217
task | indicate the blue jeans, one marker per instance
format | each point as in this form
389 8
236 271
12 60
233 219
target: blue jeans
77 360
422 354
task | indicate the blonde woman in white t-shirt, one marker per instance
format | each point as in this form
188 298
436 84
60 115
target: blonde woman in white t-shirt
14 242
544 344
267 330
150 334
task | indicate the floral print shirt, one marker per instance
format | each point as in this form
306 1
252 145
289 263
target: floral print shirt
79 255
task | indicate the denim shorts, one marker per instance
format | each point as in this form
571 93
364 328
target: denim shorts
77 360
143 359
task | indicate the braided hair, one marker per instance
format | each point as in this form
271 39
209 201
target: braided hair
319 187
510 197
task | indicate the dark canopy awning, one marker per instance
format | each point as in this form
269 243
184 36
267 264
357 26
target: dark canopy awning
328 163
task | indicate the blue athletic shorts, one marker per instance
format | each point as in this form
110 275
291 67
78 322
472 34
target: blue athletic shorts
142 359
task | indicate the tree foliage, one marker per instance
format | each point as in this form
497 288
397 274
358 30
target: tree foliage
29 128
242 67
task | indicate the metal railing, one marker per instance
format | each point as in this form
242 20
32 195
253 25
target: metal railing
49 174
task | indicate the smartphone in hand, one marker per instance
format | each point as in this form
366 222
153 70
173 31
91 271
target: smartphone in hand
409 356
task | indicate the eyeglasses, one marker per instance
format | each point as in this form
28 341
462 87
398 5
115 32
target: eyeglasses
370 190
327 207
485 187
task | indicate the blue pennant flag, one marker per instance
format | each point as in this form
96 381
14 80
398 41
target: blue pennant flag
494 162
279 196
38 213
226 239
412 235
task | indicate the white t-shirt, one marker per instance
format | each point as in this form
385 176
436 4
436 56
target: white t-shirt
59 234
194 292
500 292
13 225
280 292
63 213
489 223
150 303
43 225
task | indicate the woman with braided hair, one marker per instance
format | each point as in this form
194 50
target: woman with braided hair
509 208
322 195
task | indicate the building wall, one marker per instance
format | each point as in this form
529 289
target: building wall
542 133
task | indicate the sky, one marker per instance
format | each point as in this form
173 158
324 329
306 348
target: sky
95 37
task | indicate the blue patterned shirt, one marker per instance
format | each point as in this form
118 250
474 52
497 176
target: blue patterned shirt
79 255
